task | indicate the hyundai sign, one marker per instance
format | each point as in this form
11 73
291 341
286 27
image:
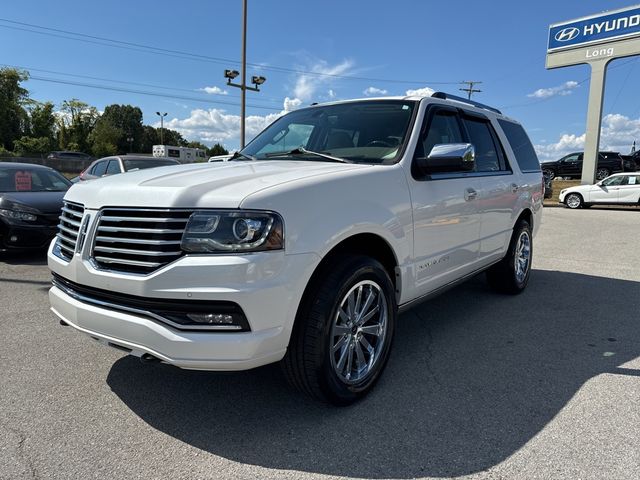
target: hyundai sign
604 27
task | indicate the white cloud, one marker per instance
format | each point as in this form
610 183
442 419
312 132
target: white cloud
291 104
421 92
214 90
617 134
332 94
306 85
565 89
373 91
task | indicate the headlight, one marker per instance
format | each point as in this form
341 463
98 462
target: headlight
233 231
17 215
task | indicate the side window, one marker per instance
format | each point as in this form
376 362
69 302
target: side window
480 135
521 145
611 181
99 169
443 128
113 168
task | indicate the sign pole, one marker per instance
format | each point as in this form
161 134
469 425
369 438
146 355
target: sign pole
594 121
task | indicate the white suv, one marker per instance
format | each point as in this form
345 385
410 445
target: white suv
304 247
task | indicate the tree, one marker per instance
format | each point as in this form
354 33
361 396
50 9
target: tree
128 121
79 119
26 146
13 116
150 137
171 137
104 139
217 149
195 144
42 120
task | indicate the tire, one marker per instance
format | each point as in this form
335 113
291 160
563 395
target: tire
574 200
602 173
512 273
323 341
549 173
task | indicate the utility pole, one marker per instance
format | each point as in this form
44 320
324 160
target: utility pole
161 115
231 74
470 88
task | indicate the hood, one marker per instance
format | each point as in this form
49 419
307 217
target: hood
44 202
208 185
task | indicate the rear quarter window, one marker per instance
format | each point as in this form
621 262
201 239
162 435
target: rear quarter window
521 146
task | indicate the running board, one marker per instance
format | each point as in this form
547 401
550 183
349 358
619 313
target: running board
434 293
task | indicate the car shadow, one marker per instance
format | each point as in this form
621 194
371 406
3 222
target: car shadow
472 378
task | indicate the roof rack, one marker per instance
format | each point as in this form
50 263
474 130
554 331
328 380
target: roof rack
446 96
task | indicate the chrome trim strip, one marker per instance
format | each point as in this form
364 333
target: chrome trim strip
127 262
107 218
136 240
150 253
102 228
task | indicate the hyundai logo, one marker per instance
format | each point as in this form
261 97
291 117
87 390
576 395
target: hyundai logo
567 34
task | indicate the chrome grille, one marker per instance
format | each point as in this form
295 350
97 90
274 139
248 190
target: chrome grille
68 228
138 240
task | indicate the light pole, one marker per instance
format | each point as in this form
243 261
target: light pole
231 74
161 115
130 140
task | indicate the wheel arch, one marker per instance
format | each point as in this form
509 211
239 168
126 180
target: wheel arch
527 215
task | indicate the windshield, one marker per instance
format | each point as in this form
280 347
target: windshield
363 132
140 164
32 180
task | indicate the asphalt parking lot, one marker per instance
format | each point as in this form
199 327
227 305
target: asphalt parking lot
542 385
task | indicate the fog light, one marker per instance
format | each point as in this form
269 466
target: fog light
13 238
211 318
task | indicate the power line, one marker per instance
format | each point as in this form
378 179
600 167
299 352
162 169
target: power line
142 92
55 32
125 82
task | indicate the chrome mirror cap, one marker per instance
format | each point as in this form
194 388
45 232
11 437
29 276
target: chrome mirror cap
463 151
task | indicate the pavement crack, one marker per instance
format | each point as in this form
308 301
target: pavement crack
21 450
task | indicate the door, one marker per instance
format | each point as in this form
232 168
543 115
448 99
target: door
571 166
606 191
629 191
499 187
445 209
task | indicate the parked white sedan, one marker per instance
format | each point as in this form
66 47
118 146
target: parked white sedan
618 189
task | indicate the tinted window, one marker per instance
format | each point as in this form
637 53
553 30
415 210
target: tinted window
173 153
443 128
100 169
113 167
363 132
521 146
487 159
32 180
150 163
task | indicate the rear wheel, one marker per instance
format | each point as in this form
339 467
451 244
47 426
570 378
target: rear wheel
602 173
573 200
548 173
343 332
511 274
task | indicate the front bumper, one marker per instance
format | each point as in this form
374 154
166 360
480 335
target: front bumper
267 286
18 237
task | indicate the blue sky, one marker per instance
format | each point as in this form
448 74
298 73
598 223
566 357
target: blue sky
391 47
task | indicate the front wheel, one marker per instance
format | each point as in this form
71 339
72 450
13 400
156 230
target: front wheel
573 200
343 331
548 173
511 274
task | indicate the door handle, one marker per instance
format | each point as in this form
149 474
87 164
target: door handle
470 194
514 188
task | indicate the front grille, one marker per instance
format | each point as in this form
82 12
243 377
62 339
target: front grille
68 228
138 240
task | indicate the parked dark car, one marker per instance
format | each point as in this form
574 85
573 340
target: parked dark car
65 155
548 187
123 163
571 165
633 159
30 205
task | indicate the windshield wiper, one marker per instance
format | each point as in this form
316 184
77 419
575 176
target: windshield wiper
237 155
304 151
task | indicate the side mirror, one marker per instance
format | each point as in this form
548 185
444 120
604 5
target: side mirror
449 157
